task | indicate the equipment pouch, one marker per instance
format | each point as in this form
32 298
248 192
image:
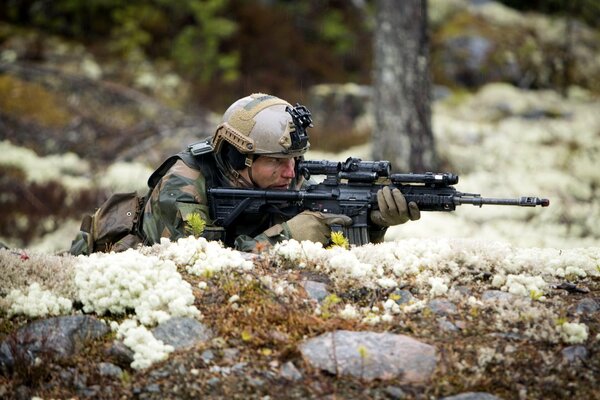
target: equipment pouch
113 227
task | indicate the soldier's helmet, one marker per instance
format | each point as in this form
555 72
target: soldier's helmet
261 124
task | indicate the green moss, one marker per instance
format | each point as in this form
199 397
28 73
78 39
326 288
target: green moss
30 101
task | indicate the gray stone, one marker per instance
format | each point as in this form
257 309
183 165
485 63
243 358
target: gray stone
587 306
394 392
120 354
315 290
91 392
182 332
207 356
472 396
108 369
507 335
256 382
371 355
442 307
497 295
239 367
214 381
574 353
403 296
152 388
463 290
230 355
465 56
447 326
290 372
55 338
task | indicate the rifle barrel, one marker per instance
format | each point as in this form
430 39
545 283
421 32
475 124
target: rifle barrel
522 201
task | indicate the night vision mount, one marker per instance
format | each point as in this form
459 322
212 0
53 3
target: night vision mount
301 118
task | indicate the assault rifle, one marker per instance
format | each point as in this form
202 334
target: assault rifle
350 188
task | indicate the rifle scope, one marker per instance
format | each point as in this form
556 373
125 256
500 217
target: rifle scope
350 166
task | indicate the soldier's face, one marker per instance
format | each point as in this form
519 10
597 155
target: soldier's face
273 173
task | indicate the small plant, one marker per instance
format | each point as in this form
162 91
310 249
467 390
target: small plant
338 239
195 225
328 303
363 353
561 321
535 294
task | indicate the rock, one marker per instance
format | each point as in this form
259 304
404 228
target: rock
207 356
230 355
108 369
152 388
214 381
587 306
239 367
371 355
290 372
120 354
182 332
472 396
507 335
574 353
446 325
394 392
464 56
91 392
463 290
497 295
442 307
403 296
315 290
57 338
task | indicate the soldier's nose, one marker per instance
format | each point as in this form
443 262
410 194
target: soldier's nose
288 169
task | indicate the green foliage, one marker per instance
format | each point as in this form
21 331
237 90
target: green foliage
328 305
218 46
129 35
338 239
535 294
335 30
195 225
197 47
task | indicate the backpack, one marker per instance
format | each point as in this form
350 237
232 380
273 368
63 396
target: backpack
117 223
113 227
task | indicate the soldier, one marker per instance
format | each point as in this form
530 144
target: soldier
252 147
256 145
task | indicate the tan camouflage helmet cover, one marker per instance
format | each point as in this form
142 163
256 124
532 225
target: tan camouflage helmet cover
258 124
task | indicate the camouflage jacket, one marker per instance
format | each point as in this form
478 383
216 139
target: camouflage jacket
180 193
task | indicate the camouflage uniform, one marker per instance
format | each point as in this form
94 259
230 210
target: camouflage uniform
182 192
254 126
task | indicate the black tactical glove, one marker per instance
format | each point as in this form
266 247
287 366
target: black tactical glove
393 209
315 226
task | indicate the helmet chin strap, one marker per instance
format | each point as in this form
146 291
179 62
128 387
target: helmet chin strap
254 184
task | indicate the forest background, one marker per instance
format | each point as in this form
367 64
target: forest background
102 90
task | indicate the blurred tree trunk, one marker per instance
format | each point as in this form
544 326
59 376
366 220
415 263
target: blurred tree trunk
402 87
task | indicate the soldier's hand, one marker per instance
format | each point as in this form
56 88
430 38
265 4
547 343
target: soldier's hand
393 209
315 226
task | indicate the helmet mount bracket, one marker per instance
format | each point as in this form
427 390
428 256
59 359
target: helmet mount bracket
301 118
